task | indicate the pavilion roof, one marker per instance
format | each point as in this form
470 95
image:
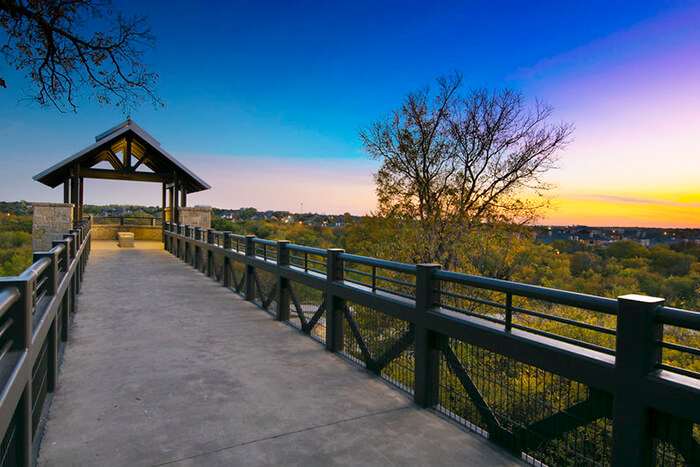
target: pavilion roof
111 147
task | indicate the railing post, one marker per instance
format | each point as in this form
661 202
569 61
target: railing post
427 345
249 269
166 228
227 261
636 353
185 245
178 246
210 255
282 282
198 249
65 301
74 251
334 305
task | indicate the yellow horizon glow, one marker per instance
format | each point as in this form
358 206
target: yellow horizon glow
626 209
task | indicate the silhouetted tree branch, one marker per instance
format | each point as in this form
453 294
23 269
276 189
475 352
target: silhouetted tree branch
67 45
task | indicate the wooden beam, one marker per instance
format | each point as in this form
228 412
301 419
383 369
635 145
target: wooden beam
126 175
127 153
114 160
141 161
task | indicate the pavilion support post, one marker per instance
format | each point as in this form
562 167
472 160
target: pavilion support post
176 190
162 223
66 190
183 195
75 191
81 184
171 198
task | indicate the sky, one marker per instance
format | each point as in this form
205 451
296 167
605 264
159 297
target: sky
263 100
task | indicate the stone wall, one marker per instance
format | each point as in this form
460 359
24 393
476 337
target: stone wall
141 232
51 221
195 217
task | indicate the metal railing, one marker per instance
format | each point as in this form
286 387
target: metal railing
35 311
126 220
555 377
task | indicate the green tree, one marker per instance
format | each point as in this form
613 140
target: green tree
627 249
667 261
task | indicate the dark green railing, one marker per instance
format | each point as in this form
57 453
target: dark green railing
35 311
555 377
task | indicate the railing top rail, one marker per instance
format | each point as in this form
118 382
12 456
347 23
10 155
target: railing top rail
380 263
561 297
37 268
264 241
677 317
8 297
307 249
58 248
238 236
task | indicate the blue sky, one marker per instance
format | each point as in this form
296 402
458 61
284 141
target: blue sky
264 99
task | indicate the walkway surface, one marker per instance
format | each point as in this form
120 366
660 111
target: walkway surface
166 367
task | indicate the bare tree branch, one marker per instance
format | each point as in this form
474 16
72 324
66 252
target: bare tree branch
48 40
450 160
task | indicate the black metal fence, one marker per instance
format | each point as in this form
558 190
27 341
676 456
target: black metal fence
126 220
555 377
35 311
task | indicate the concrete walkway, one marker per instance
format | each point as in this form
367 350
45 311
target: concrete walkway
166 367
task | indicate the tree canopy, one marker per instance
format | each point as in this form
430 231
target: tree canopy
66 46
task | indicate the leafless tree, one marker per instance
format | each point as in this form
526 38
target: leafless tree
66 46
451 160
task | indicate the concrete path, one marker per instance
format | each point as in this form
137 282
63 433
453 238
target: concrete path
166 367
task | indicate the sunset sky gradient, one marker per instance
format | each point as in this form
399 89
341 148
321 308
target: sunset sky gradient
264 99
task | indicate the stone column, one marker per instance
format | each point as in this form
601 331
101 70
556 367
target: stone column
50 222
195 217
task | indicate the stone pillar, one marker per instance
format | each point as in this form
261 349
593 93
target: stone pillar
195 217
50 222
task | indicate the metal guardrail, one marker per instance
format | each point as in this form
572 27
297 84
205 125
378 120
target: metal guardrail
517 363
126 220
35 310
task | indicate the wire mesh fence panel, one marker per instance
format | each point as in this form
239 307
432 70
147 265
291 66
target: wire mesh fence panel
39 384
676 441
265 290
548 418
237 276
307 310
217 266
10 447
381 343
